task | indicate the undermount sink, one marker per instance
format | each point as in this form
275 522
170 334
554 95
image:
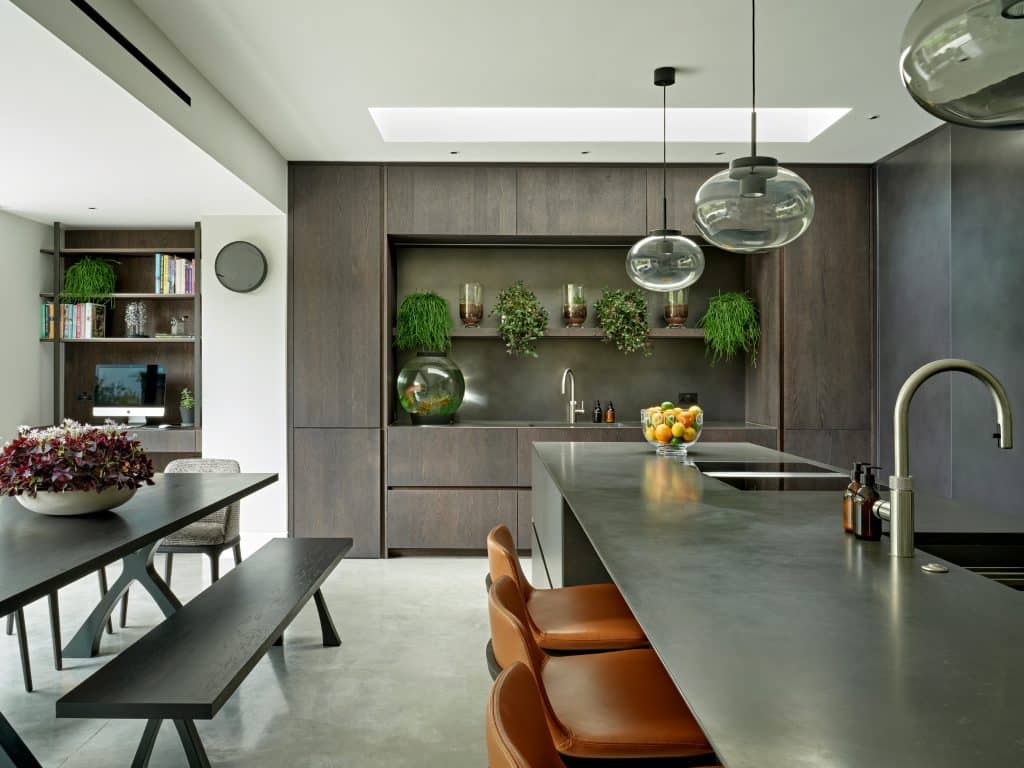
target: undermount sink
995 558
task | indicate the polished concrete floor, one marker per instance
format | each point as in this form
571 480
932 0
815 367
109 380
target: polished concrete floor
407 687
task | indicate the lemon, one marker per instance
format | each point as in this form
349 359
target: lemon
689 434
657 418
678 430
649 433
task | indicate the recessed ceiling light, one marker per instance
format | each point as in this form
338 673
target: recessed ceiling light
92 207
558 124
873 117
585 152
454 152
719 154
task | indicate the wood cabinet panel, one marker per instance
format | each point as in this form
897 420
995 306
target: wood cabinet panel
838 447
446 200
524 519
336 240
764 282
336 486
451 456
581 201
447 519
682 185
528 436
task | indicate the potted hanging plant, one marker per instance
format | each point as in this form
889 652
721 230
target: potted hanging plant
622 316
731 326
430 386
89 281
522 320
73 469
187 407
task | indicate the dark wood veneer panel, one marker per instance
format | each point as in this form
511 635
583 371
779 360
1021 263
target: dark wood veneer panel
581 201
764 380
336 486
682 184
838 447
524 518
451 456
130 238
336 318
446 200
447 519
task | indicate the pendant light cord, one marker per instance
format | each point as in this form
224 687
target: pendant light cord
753 78
664 157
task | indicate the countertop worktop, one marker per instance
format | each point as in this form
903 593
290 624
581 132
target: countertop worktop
525 424
793 643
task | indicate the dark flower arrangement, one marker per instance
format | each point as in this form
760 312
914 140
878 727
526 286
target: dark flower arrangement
73 457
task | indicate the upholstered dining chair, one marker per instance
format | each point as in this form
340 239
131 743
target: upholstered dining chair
210 536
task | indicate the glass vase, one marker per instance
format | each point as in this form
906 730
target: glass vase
471 304
677 307
574 305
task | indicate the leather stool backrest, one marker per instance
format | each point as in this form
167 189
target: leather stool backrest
503 560
517 733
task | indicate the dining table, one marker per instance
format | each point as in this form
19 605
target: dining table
39 554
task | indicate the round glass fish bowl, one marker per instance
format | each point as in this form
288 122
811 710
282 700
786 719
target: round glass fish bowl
430 388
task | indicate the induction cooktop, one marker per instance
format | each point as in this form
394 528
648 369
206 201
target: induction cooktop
764 469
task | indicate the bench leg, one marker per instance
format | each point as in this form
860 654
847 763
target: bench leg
13 752
145 750
137 566
194 751
327 629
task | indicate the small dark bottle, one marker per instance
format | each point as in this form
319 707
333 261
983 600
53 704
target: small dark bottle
866 524
597 415
609 415
850 493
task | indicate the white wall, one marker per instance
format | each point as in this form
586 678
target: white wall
244 365
26 382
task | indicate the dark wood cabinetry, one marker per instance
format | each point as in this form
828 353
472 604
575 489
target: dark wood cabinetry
335 480
682 184
448 518
451 200
451 456
581 201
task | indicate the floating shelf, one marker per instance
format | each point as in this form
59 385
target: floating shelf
125 340
189 296
579 333
125 251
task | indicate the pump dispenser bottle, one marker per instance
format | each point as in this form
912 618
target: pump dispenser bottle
866 525
851 491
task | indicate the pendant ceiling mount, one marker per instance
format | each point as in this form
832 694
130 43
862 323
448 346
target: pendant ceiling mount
665 260
755 204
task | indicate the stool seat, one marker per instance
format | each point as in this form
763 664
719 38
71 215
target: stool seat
591 617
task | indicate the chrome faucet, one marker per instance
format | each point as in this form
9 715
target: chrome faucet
899 510
570 408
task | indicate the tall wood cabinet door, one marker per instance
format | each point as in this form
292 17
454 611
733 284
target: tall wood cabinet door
336 486
432 200
581 201
336 215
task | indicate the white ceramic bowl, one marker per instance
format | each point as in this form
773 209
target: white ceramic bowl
65 503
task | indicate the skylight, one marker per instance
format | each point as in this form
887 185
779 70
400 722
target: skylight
589 125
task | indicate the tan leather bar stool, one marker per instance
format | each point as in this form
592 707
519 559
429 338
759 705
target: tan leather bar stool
590 617
619 704
517 734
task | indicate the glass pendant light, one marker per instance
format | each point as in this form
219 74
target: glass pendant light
665 260
755 204
963 61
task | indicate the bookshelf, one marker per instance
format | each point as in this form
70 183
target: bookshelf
132 252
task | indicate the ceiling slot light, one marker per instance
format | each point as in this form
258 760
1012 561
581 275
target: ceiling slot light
962 61
755 204
665 260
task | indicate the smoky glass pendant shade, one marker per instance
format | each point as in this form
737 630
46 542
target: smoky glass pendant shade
963 61
665 261
751 218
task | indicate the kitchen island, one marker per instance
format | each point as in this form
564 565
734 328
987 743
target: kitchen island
793 643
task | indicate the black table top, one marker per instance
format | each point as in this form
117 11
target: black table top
39 554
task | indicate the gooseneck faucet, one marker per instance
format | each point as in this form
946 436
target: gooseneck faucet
570 408
899 510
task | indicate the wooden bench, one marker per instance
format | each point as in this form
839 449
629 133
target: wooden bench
186 668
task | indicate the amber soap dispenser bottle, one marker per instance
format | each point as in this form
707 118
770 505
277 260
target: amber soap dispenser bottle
866 524
851 491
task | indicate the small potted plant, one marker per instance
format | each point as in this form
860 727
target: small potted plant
73 469
731 326
522 320
622 316
187 407
430 386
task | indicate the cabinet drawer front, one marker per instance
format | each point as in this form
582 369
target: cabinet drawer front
524 518
447 519
527 437
581 201
451 456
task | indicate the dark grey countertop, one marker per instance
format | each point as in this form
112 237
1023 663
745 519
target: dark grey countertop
794 644
524 424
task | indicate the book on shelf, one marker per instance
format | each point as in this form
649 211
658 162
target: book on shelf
173 275
47 328
83 321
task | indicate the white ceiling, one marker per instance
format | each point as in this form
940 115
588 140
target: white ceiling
305 74
71 139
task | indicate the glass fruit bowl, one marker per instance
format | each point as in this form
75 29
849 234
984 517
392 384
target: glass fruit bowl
671 429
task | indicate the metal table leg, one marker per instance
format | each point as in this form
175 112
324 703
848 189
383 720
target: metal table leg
13 752
137 566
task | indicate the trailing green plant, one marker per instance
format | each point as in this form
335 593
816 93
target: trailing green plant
731 325
522 319
188 400
622 316
424 323
89 280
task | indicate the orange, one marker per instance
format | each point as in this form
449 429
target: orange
687 419
662 433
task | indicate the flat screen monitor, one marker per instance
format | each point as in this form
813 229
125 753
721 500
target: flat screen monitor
129 389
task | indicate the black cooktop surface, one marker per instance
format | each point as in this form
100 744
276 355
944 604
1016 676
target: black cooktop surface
761 467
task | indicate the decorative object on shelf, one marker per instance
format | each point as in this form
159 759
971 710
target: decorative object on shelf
187 407
430 388
622 316
755 204
89 280
73 469
522 319
471 304
179 326
677 308
731 325
664 260
961 61
240 267
574 305
423 323
671 429
136 320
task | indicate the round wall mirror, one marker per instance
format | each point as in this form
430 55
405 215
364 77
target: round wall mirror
240 267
